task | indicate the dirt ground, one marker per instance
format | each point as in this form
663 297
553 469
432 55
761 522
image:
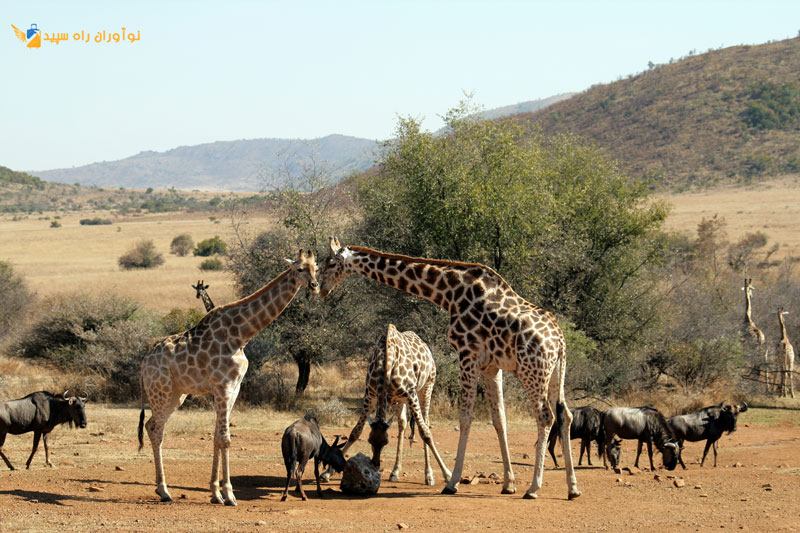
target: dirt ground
101 482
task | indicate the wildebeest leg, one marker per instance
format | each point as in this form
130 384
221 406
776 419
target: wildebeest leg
680 455
36 436
46 450
289 475
650 454
299 475
2 441
402 420
705 452
587 443
316 476
638 453
370 399
551 447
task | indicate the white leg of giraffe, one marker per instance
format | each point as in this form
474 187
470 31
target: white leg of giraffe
469 388
370 400
224 399
425 404
161 407
493 381
425 431
402 421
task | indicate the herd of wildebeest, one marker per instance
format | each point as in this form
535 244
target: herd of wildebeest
492 329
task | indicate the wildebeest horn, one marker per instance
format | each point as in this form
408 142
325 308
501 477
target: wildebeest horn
335 442
389 423
65 394
743 407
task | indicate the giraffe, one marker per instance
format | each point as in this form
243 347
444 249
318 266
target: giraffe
401 372
786 348
210 358
492 329
752 334
203 295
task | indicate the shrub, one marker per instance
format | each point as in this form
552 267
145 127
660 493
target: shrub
15 296
142 255
55 224
330 412
211 246
268 386
182 245
97 221
180 320
211 264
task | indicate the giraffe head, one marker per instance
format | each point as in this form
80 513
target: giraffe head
334 270
200 288
305 270
378 438
748 286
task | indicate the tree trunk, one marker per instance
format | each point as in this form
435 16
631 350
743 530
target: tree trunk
303 360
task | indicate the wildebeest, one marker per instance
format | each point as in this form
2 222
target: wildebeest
587 425
708 423
303 440
39 412
645 424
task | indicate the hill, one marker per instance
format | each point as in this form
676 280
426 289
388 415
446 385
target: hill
728 115
223 165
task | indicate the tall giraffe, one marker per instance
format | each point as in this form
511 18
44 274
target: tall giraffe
210 358
492 329
786 348
401 371
753 335
203 295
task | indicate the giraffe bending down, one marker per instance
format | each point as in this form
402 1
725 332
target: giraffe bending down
786 348
203 295
210 358
753 335
492 329
401 372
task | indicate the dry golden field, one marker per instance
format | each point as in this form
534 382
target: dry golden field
83 259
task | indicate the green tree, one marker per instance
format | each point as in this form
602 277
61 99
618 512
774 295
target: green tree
214 245
142 255
181 245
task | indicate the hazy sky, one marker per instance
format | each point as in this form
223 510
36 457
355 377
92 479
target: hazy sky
209 71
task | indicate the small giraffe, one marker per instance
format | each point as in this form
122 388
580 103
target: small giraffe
401 371
210 358
492 329
752 334
203 295
786 348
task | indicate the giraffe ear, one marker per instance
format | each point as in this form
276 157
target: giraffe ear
289 261
333 245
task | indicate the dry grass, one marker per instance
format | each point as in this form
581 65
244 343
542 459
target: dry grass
21 377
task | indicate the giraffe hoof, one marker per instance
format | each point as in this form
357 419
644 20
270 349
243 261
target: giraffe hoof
530 496
573 495
394 477
510 490
231 503
448 490
167 499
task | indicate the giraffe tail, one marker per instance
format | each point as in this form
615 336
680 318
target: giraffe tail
141 414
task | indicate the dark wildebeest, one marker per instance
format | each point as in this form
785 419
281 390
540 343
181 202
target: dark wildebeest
708 423
302 441
646 425
587 425
39 412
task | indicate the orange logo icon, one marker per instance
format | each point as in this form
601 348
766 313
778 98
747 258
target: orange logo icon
33 36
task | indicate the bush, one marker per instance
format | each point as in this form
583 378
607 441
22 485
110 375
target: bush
211 264
268 386
97 221
15 296
211 246
142 255
180 320
55 224
182 245
330 412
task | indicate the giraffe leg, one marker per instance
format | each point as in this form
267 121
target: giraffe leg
425 404
544 422
370 399
402 421
224 400
162 405
493 381
427 436
469 388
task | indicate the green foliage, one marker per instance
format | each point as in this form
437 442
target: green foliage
16 298
181 245
211 264
96 221
180 320
55 224
214 245
773 106
142 255
12 176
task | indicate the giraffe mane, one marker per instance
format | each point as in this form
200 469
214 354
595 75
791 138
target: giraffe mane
258 293
426 261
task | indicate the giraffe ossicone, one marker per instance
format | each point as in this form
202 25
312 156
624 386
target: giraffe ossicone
492 329
209 358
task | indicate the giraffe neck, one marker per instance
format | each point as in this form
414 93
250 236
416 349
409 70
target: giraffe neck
784 337
748 308
443 283
257 311
207 301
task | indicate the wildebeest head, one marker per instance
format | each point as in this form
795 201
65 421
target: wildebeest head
729 415
378 438
615 452
670 454
76 406
334 456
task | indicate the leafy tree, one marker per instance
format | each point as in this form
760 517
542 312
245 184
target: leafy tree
211 264
142 255
15 295
211 246
181 245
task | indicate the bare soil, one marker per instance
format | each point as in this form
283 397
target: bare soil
101 482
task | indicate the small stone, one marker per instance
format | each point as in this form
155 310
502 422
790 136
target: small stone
480 474
183 497
526 456
704 495
619 480
465 480
737 465
95 489
68 462
119 468
486 481
679 483
261 523
698 487
456 428
658 477
401 525
617 471
76 454
475 480
743 500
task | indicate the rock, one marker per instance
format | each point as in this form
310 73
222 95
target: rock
475 480
619 480
658 477
494 475
261 523
119 468
401 525
698 487
184 497
679 483
737 465
632 470
617 471
360 477
704 495
67 462
92 488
